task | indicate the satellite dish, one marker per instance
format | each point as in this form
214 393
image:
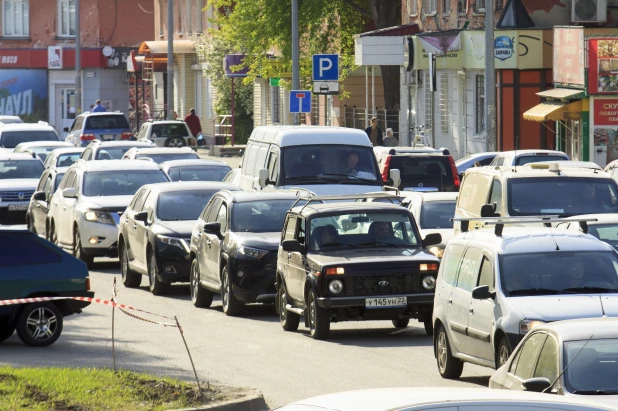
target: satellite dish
107 51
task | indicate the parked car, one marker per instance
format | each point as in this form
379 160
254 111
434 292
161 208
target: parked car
433 213
234 248
42 271
155 231
159 155
104 126
612 169
63 157
19 176
40 148
111 150
483 159
575 358
523 157
85 211
13 134
494 286
440 399
233 177
349 261
36 215
11 120
167 133
604 227
195 170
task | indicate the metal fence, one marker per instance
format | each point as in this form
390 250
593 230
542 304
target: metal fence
354 117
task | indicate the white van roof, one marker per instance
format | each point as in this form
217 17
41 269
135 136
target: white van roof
305 135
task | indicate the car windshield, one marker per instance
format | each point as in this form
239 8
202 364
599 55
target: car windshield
329 164
437 214
593 366
366 229
66 160
198 173
21 169
10 139
422 172
120 183
563 196
559 272
106 122
111 153
260 216
183 205
523 160
159 158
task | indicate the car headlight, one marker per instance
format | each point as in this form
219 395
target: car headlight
335 286
429 282
174 242
525 326
437 250
99 217
252 252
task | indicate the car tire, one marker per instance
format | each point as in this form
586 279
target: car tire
401 322
156 286
39 324
289 320
78 251
448 366
503 353
231 306
428 326
175 141
53 235
6 330
319 318
130 279
200 296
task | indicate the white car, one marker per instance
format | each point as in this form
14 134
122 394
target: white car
160 154
484 159
523 157
605 228
19 177
440 399
85 211
495 285
13 134
589 165
63 157
167 133
40 148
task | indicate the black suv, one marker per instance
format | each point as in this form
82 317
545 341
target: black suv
234 248
348 261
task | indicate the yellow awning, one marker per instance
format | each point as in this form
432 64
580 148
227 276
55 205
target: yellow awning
553 110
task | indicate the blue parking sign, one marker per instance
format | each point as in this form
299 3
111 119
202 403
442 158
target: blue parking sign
326 67
300 101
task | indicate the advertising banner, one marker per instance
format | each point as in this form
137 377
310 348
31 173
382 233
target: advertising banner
569 55
603 66
23 93
605 126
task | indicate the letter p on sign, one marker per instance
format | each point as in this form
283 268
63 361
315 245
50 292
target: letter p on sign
325 67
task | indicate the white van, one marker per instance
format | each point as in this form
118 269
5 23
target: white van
324 160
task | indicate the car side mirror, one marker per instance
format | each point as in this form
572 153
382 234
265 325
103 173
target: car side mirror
69 193
432 239
66 129
489 210
538 384
212 228
292 246
141 216
395 177
39 196
263 177
482 293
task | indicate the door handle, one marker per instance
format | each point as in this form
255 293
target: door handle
471 310
450 301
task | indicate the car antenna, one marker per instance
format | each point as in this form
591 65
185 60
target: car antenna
602 308
567 366
552 237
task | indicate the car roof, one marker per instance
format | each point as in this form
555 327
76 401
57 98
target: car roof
601 218
431 196
528 172
29 144
567 164
162 150
26 127
64 150
103 144
191 186
166 122
310 135
583 328
103 113
403 150
192 162
17 156
343 207
103 165
248 196
518 153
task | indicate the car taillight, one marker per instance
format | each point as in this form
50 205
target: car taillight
387 166
454 171
87 137
126 135
87 283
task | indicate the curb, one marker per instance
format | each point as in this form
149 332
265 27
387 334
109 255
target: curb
253 401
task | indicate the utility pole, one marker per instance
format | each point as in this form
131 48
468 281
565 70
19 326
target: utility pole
490 77
78 62
295 55
170 59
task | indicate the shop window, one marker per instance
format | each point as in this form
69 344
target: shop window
412 7
443 101
461 6
479 109
15 20
429 6
446 6
66 18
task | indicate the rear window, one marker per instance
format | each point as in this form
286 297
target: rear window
106 122
198 173
10 139
167 130
424 172
523 160
12 246
111 153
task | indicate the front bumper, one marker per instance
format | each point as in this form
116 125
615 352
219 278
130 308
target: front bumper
13 216
174 265
257 283
107 237
349 302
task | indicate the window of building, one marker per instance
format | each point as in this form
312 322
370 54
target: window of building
199 16
479 109
413 7
16 15
446 6
189 15
499 4
479 6
275 108
443 101
429 6
461 6
66 18
428 99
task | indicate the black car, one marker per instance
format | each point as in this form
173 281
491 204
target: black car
36 216
234 248
350 261
155 232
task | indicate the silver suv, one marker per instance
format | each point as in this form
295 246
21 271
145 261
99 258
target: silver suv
167 133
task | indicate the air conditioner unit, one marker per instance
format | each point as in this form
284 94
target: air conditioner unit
588 11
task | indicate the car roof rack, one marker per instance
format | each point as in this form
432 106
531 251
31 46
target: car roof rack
322 199
500 222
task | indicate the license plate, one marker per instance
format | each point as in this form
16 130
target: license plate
18 207
386 302
108 137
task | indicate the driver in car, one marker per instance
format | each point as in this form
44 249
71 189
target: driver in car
382 232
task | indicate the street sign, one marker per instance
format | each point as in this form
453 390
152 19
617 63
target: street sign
300 101
326 87
325 67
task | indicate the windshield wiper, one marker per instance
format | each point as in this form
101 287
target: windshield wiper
309 179
345 175
338 244
595 392
592 289
539 291
381 243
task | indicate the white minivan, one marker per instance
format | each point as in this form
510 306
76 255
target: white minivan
324 160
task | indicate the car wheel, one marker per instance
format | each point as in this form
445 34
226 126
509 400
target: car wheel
53 235
200 296
6 330
157 287
319 319
503 353
129 278
289 320
448 366
39 324
428 326
231 306
78 251
401 322
175 141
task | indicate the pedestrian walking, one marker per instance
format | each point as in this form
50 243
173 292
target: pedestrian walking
193 122
390 140
374 133
98 108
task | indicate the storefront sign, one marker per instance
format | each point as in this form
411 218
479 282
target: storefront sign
569 55
606 112
603 66
24 93
54 57
503 48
